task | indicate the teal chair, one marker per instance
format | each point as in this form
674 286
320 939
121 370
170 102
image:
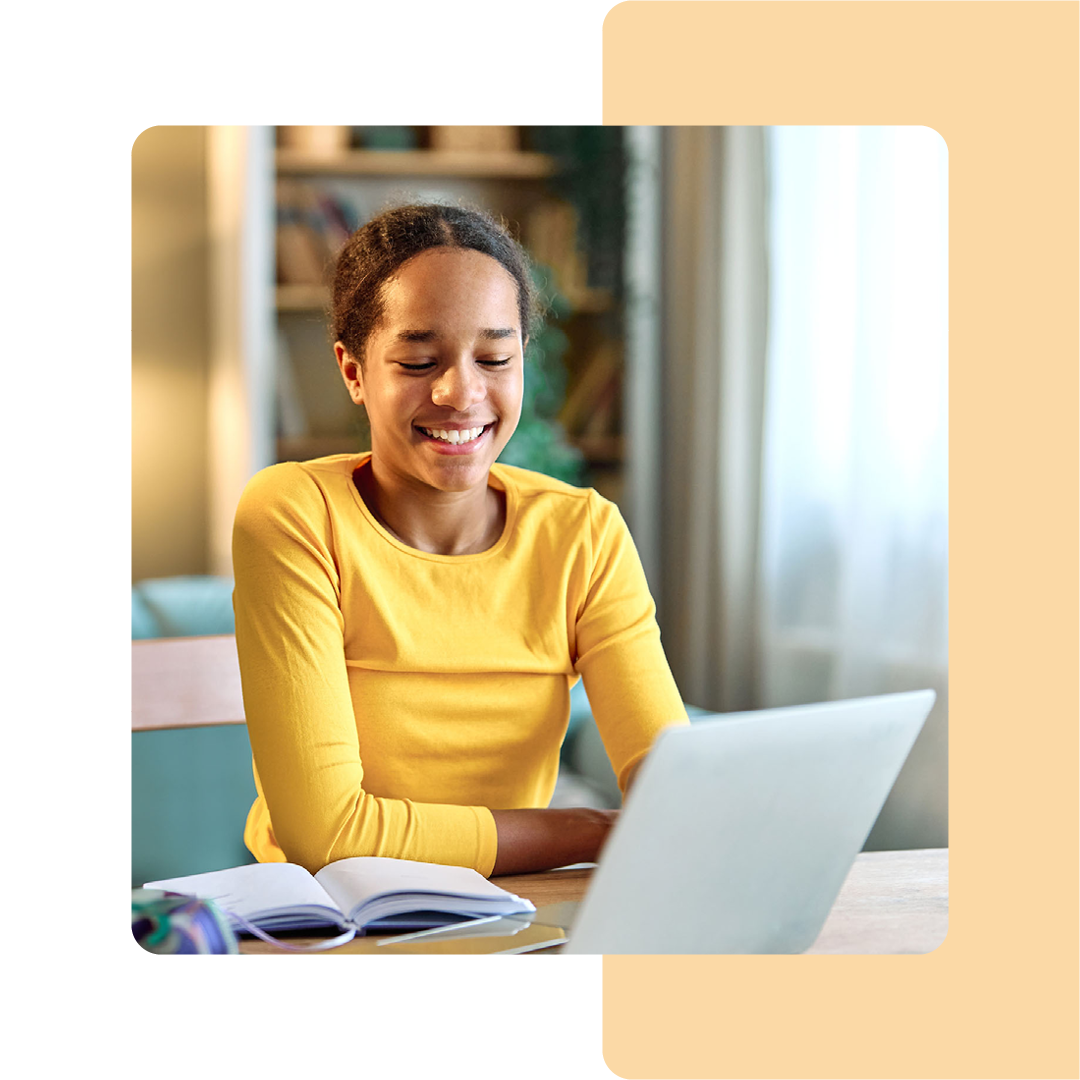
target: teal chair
191 781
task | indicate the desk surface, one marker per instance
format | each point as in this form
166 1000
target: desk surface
891 902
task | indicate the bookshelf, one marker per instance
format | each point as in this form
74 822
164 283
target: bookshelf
323 193
490 164
314 297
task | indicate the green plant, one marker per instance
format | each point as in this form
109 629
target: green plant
540 443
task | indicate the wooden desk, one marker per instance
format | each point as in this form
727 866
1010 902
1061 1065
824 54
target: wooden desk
891 902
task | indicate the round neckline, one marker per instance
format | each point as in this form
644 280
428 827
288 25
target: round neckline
494 480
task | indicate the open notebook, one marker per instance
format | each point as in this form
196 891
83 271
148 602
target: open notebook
354 895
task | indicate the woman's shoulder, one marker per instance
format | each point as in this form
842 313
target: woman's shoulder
543 497
527 484
299 485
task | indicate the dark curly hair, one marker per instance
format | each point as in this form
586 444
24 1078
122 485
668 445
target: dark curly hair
377 250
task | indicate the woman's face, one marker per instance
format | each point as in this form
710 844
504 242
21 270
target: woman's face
443 373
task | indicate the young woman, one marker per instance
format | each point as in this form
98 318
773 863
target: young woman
410 620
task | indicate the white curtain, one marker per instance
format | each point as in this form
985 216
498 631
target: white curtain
805 470
854 526
854 478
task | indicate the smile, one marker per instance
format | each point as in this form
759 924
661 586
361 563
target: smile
455 437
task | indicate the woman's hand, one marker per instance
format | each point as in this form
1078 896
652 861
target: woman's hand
542 839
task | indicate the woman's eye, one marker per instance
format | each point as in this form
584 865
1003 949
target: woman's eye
427 365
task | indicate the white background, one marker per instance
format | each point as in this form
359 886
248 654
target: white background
80 83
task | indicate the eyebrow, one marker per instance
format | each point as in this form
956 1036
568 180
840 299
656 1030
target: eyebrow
498 333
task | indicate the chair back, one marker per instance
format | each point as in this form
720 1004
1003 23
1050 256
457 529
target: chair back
191 779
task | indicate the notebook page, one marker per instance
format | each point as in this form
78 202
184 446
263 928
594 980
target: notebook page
256 891
351 882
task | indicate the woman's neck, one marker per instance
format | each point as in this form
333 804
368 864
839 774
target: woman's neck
440 522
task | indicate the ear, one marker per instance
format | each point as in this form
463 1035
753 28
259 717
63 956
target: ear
351 372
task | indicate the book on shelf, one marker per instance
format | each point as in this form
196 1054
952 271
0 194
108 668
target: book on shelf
487 137
302 254
604 417
312 227
593 396
352 895
551 235
325 139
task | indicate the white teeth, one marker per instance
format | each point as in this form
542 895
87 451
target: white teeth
455 438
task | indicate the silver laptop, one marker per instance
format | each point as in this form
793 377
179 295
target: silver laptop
741 828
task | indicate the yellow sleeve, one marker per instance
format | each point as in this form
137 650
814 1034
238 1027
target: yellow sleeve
289 635
631 690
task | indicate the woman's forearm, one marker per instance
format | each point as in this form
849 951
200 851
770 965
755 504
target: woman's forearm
532 840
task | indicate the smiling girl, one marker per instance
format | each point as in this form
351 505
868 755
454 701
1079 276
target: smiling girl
410 620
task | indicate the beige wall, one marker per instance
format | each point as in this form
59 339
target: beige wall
170 347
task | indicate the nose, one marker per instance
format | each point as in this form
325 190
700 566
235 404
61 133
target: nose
459 386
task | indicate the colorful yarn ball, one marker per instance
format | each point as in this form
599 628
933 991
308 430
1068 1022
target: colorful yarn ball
168 923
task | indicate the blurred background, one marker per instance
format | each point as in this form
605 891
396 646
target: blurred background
745 348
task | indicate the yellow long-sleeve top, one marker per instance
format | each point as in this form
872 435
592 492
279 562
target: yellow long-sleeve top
395 697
